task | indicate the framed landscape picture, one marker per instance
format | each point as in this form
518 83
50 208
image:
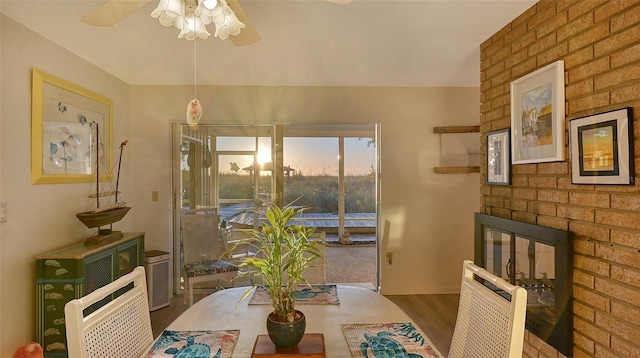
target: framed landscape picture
498 158
537 116
601 148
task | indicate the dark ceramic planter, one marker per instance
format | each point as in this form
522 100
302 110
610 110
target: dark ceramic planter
286 335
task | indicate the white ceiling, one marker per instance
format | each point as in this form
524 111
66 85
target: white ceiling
407 43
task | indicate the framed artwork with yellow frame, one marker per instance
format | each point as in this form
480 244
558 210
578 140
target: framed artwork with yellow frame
63 135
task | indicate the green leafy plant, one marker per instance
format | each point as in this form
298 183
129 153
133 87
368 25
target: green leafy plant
283 252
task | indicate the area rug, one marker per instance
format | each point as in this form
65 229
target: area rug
387 340
310 295
200 344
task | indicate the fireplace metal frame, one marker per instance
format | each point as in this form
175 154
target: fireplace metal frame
558 333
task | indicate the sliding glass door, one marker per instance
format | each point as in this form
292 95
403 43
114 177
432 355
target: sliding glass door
239 170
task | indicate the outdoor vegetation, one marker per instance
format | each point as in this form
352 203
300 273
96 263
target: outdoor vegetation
319 193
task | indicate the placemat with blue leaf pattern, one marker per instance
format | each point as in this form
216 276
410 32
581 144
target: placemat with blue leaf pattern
382 340
201 344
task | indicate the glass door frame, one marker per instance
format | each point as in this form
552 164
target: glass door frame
277 171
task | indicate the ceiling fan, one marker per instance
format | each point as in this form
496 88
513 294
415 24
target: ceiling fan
113 11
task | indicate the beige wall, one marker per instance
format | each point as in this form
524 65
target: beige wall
40 217
599 44
426 217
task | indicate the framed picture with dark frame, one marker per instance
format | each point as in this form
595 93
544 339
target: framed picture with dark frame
498 157
601 148
537 116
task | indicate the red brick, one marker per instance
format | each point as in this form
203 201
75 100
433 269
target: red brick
583 343
579 8
626 56
589 230
616 77
587 280
625 94
591 331
630 17
618 327
585 312
604 352
589 37
522 68
553 168
589 103
554 196
578 58
575 26
626 275
625 202
513 204
627 312
584 247
543 13
540 208
618 218
553 222
617 41
612 7
589 199
615 290
524 169
522 41
623 348
543 182
617 254
576 213
591 265
543 44
520 193
503 191
588 69
626 238
579 88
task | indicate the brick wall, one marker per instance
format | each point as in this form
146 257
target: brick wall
599 42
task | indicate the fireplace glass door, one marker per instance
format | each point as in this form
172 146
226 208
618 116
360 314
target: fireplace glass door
540 260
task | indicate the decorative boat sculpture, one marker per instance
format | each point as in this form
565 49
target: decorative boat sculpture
104 215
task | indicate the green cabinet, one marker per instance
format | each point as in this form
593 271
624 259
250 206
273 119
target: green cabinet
74 271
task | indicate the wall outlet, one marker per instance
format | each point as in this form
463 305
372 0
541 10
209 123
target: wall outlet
3 212
389 257
154 195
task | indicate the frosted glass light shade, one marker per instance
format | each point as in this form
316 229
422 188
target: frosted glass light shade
194 28
226 21
210 4
170 13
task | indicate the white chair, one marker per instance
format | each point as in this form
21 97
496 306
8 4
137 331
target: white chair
201 250
119 329
488 324
316 273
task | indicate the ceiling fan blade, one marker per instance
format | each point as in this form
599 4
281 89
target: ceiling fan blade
112 11
247 35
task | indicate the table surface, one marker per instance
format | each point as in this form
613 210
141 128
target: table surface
223 310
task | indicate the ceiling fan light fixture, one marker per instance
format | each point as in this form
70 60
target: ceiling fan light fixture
194 28
226 21
210 4
170 13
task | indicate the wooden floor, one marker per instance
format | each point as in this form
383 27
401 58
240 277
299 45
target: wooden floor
434 314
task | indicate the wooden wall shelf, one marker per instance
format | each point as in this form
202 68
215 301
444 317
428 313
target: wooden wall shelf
456 170
456 129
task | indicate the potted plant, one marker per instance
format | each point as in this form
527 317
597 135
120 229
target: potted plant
283 252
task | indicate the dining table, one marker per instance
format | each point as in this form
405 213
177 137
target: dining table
227 310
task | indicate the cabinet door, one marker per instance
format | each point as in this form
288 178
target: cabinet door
98 271
128 257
